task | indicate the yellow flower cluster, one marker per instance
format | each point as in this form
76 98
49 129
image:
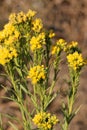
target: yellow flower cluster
21 17
36 42
60 44
55 50
9 36
7 54
45 121
75 60
51 34
37 25
36 74
71 47
31 13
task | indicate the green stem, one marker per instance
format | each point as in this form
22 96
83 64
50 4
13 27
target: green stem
65 125
71 101
19 99
68 111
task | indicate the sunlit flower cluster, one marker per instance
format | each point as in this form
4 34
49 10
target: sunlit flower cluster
51 34
75 60
21 17
60 44
71 47
37 74
37 42
7 54
37 25
9 36
45 121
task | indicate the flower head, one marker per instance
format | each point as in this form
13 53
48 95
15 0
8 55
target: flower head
45 120
75 60
9 35
55 50
71 47
37 42
37 25
60 44
21 17
30 14
37 74
7 54
51 34
17 18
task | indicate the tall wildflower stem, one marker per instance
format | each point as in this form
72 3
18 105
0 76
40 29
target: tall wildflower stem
19 98
73 91
56 70
68 111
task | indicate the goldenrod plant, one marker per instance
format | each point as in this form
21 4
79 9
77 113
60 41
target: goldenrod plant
28 56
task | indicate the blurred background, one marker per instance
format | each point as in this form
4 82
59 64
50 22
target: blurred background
68 19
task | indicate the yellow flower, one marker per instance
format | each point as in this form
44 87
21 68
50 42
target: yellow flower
6 54
73 44
45 120
13 52
9 35
55 50
58 47
61 43
37 25
37 42
18 18
3 55
75 60
54 119
37 118
2 36
71 47
12 18
36 74
30 14
9 29
21 17
51 34
16 34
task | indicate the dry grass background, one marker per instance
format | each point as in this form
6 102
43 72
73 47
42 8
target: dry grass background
68 19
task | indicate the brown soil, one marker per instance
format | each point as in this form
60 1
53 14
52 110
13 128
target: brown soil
68 19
